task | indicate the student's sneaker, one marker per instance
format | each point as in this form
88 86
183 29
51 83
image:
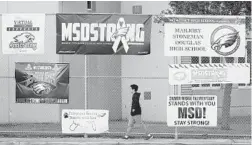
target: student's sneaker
148 137
126 137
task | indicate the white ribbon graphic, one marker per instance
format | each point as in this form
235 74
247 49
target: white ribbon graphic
120 35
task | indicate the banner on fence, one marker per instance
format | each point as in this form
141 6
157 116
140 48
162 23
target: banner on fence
23 33
42 83
198 110
103 34
84 121
222 36
209 73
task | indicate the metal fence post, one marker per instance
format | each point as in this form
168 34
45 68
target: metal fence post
176 93
85 92
176 133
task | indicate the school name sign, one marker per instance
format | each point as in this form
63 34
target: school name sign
103 34
198 110
209 73
222 36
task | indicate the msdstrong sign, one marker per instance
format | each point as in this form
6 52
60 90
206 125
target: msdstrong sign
209 73
103 34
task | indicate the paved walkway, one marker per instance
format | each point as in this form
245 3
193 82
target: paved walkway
97 141
119 127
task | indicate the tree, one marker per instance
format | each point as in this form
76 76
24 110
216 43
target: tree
212 8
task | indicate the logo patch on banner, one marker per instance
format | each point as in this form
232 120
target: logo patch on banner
179 76
23 33
225 40
24 40
103 34
120 35
42 88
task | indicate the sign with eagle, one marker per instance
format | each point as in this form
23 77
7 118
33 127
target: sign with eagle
219 36
23 33
42 83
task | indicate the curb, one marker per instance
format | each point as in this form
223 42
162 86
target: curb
81 141
116 135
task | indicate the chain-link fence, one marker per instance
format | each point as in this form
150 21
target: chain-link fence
112 92
108 83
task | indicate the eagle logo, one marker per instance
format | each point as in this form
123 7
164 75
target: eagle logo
42 88
225 40
24 38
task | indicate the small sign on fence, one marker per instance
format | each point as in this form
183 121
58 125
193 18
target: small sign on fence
23 33
197 110
84 121
209 73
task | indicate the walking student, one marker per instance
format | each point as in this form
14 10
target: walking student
135 113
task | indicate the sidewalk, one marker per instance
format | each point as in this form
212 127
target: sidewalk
118 128
95 141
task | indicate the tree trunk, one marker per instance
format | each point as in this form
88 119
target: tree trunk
226 107
226 101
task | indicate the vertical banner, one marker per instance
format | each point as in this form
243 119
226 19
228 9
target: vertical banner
209 73
103 34
85 121
23 33
42 83
222 36
197 110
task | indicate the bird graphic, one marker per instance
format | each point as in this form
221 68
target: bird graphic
225 40
24 37
42 88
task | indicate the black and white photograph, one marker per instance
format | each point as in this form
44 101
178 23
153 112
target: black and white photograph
77 72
